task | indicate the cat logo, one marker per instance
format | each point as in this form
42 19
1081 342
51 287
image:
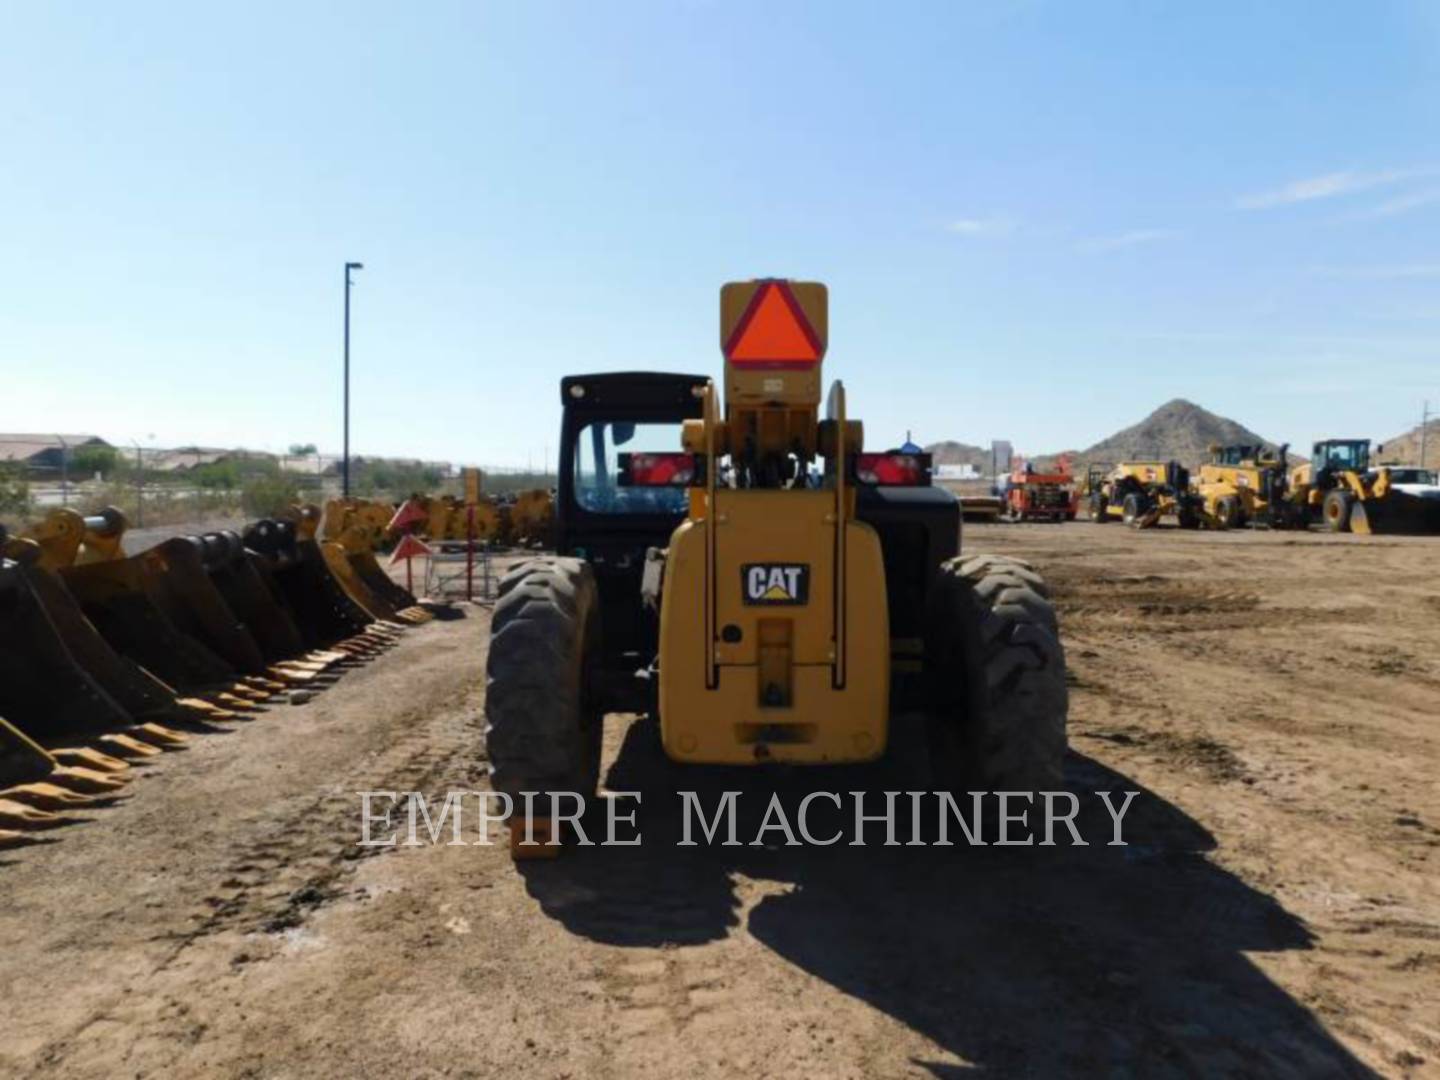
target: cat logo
775 583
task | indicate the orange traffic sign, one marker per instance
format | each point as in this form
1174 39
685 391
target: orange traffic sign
773 323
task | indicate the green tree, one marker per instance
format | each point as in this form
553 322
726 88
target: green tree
266 496
14 490
302 449
89 460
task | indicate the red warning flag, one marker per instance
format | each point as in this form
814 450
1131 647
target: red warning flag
409 547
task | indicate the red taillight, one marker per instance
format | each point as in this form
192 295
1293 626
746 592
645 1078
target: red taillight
893 470
657 470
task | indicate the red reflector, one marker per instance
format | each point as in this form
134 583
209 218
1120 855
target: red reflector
893 470
657 470
774 332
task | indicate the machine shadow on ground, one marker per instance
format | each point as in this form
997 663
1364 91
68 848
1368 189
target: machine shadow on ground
1030 959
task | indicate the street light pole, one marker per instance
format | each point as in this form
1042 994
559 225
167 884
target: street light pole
345 463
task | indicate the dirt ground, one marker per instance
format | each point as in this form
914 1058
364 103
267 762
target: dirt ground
1272 696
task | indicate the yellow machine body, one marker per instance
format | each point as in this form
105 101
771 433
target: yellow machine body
1149 474
775 682
774 632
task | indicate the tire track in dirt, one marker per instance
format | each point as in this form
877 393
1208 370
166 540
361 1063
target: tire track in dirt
294 857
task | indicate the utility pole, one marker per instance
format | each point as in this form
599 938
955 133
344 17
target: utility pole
345 464
1424 426
139 485
64 471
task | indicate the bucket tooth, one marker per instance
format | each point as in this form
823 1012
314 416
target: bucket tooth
48 796
123 746
201 709
89 758
87 781
18 815
159 735
237 704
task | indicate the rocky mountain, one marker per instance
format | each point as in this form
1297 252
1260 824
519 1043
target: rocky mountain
1405 449
1178 430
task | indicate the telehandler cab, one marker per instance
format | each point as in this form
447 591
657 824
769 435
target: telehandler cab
762 586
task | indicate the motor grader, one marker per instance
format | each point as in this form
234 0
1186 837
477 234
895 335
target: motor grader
1140 493
1340 487
1245 484
764 588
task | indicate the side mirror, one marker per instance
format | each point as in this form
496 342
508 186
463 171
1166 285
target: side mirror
622 431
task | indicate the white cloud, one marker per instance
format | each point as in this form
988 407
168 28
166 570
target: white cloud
1133 238
992 226
1327 186
1403 204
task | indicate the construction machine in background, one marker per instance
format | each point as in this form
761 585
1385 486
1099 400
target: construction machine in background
1246 484
767 590
1031 495
1342 489
1141 493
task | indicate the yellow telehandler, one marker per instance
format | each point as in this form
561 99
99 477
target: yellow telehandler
754 579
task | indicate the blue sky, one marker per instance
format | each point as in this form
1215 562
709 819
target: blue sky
1038 220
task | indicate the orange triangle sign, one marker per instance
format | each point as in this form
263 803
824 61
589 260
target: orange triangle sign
773 332
409 547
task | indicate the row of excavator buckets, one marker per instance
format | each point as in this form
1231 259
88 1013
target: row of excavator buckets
521 519
108 659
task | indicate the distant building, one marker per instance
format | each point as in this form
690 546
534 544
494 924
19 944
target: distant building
187 457
45 453
956 472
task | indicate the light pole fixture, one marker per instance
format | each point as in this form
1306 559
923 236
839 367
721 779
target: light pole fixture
345 460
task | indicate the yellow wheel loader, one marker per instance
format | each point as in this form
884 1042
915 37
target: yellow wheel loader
1340 488
760 584
1248 485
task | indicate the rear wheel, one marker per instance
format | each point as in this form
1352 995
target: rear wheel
1227 510
1133 507
543 719
1335 510
996 675
1099 507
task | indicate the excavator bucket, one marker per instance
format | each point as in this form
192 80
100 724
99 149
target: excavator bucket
337 560
43 688
293 566
353 529
139 693
1396 513
381 583
115 597
174 576
235 573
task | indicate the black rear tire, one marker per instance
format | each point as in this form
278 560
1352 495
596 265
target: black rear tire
996 678
543 721
1099 512
1133 507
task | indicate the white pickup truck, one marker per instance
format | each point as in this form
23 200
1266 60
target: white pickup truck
1412 480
